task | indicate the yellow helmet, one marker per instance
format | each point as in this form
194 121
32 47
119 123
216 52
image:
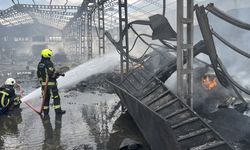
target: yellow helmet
46 53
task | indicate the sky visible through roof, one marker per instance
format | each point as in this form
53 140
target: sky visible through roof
4 4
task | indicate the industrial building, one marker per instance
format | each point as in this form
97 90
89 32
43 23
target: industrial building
139 74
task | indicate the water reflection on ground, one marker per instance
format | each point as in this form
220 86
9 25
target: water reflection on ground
92 122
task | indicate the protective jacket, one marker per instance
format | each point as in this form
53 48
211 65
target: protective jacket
7 95
46 70
8 99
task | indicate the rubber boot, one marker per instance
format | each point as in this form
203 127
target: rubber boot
60 111
46 113
46 117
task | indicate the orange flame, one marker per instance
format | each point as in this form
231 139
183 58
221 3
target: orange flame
209 83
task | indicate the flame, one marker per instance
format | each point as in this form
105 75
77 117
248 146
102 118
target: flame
209 82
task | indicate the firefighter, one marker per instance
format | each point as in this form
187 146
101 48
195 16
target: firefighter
47 76
8 97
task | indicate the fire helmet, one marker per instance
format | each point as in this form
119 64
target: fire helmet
10 81
46 53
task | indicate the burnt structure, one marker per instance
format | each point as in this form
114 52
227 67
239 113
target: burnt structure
164 118
147 99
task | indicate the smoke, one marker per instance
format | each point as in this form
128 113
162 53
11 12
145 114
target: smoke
236 64
103 64
205 101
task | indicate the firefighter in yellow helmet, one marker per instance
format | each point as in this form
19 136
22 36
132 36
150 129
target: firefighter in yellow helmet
8 98
47 72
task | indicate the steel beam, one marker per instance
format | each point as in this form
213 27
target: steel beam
101 25
89 32
55 18
61 13
47 6
124 43
7 11
50 20
16 19
78 37
185 51
83 35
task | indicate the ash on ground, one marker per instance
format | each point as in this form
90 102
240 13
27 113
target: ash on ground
97 83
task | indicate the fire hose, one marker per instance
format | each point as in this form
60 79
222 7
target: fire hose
44 93
27 103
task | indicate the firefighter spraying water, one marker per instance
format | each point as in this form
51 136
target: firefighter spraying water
76 75
47 76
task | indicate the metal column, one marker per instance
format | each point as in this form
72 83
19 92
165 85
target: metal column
64 39
75 36
78 37
101 26
70 40
89 32
123 25
185 51
83 32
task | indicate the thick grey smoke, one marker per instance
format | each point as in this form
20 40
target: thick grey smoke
236 64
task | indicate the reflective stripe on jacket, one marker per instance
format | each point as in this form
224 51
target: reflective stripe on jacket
49 83
4 99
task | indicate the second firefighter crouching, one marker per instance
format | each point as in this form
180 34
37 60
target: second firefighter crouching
8 98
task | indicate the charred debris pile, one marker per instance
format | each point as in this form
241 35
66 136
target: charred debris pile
97 83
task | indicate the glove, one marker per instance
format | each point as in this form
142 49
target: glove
40 80
62 74
17 100
57 74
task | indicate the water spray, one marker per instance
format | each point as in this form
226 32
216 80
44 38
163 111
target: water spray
103 64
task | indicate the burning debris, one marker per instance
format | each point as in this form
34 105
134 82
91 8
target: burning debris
209 82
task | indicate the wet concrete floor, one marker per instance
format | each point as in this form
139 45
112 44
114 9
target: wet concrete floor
92 122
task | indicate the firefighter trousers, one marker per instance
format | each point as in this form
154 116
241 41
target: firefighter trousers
52 92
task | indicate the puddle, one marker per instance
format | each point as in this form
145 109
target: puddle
93 122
